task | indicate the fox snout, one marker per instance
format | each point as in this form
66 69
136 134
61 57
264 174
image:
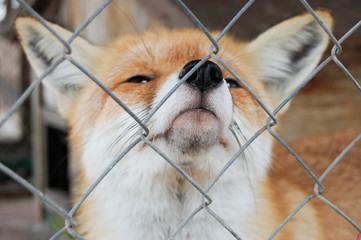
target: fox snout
197 126
207 76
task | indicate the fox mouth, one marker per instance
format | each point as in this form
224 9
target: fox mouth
198 115
194 129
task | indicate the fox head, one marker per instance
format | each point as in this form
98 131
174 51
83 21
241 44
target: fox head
200 126
210 112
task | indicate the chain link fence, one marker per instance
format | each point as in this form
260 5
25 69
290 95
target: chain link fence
206 201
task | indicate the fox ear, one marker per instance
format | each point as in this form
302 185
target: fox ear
43 49
286 54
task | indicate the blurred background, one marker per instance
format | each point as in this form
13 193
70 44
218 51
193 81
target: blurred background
33 141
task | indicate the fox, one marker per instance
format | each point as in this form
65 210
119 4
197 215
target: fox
200 127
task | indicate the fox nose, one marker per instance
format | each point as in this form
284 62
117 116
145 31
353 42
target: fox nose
207 76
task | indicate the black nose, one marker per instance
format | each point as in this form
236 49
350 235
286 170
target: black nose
207 76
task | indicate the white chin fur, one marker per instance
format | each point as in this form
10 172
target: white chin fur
194 130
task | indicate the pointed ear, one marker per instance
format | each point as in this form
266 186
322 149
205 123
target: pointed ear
283 56
42 49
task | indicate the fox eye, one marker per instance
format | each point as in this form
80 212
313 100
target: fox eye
232 83
139 79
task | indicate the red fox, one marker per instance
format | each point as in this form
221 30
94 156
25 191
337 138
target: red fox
200 127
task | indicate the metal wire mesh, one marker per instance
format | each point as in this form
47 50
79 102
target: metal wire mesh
319 188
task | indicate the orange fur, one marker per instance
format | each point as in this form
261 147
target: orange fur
163 54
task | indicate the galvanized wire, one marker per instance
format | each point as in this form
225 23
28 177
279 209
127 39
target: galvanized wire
339 63
327 171
33 190
205 200
336 50
29 90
